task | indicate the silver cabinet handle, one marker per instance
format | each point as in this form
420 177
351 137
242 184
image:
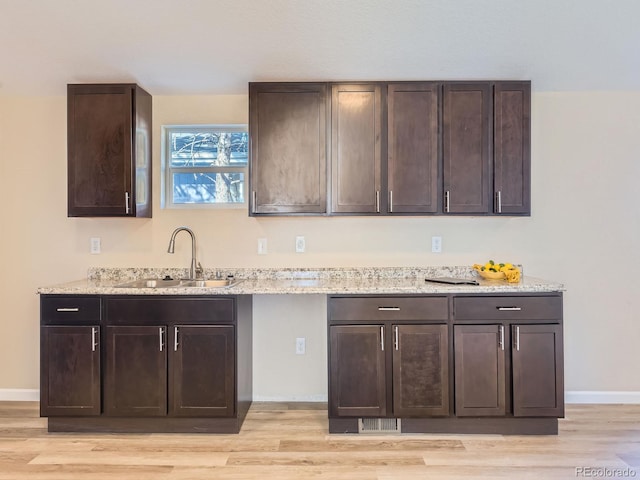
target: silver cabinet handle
390 201
447 197
175 339
517 339
501 337
161 335
382 338
68 309
509 309
94 338
389 309
126 202
499 201
377 201
397 339
254 198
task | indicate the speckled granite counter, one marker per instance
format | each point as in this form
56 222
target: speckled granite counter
329 281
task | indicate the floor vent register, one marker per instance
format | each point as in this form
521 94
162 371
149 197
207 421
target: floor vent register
379 425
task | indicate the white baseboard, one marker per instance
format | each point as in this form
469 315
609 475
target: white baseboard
602 397
19 395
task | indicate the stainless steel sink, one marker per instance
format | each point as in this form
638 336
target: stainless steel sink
150 283
221 282
162 283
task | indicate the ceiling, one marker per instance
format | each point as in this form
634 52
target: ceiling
196 47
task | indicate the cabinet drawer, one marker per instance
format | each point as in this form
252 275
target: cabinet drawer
388 308
69 309
516 308
155 309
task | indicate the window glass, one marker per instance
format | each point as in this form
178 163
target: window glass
205 165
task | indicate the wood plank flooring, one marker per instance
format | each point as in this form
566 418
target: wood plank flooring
290 441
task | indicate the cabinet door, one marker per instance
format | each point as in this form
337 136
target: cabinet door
356 125
135 382
357 371
420 370
202 371
512 148
288 125
413 147
537 362
69 371
109 150
466 144
479 370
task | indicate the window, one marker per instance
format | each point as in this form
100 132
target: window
205 165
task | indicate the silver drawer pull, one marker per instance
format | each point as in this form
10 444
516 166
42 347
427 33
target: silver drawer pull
509 309
63 309
389 309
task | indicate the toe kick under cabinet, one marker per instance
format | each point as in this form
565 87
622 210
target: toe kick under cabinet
145 363
461 363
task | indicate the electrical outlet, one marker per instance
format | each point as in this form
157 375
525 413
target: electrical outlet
300 244
436 244
262 246
95 245
301 346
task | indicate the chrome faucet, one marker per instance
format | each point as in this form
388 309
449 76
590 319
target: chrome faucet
195 271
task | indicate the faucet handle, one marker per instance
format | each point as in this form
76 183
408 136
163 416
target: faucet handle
199 272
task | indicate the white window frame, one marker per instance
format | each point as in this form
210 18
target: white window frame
166 200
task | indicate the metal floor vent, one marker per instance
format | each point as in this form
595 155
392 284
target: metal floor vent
379 425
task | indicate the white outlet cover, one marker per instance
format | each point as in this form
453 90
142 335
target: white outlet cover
95 247
300 244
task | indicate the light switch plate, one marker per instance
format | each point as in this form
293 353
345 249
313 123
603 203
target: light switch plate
262 246
300 244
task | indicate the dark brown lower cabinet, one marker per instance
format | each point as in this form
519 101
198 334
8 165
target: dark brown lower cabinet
459 363
202 365
483 377
537 364
420 370
388 370
198 360
135 381
167 363
70 370
479 370
357 371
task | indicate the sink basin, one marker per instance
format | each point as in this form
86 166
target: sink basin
162 283
150 283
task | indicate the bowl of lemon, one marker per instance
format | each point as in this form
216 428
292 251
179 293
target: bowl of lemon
498 271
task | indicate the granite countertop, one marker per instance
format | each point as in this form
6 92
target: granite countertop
327 281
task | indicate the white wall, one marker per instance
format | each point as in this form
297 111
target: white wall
584 231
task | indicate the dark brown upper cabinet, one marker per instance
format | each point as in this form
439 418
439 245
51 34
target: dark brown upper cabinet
394 148
288 131
412 148
109 150
512 148
356 148
466 147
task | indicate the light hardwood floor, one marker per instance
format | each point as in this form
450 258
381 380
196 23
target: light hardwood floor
290 441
